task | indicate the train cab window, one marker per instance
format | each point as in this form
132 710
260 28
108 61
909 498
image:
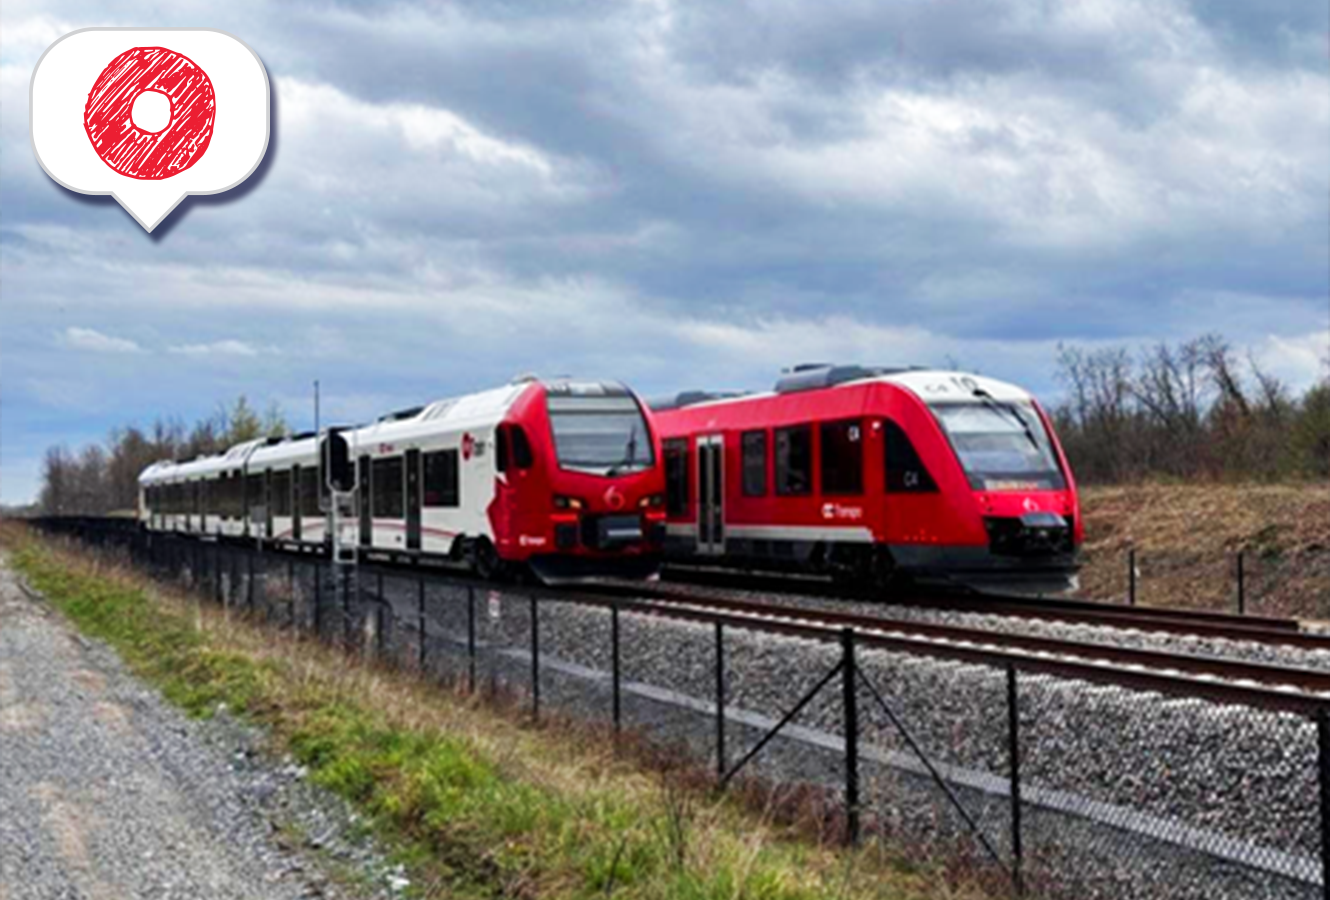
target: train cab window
388 488
501 448
440 478
794 460
676 476
309 492
281 493
754 445
905 471
253 492
842 457
522 455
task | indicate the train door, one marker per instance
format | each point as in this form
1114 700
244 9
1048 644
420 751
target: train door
362 500
267 504
413 499
711 494
296 501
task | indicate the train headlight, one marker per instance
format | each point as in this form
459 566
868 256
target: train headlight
651 500
561 502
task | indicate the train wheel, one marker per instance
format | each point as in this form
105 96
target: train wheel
884 579
485 561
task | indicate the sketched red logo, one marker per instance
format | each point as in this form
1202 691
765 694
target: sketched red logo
150 113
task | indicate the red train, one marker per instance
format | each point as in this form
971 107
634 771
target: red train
561 478
872 475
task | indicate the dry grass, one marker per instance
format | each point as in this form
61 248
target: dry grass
480 802
1186 537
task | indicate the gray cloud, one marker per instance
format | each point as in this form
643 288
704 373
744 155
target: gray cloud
683 193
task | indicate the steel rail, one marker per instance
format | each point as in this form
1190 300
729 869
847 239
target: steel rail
1315 680
1199 623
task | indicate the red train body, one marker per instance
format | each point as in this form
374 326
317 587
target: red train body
870 475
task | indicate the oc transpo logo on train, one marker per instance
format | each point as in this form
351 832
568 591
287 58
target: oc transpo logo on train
148 115
837 511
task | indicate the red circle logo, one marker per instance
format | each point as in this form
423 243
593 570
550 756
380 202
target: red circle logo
129 147
613 499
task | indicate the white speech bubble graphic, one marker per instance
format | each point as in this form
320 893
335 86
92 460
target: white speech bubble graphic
149 115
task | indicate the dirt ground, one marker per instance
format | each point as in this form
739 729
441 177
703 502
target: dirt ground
1187 538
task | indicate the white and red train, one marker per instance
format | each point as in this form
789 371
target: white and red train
866 474
872 474
561 477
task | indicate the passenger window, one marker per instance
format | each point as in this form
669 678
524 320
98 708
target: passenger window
794 460
754 463
388 488
842 457
254 492
440 478
309 492
905 471
676 476
281 493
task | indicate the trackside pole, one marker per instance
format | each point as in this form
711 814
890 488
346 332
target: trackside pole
1131 576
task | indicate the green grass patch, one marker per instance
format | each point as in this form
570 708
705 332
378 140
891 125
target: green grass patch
479 806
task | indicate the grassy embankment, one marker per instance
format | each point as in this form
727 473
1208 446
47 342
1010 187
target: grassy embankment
1186 536
476 803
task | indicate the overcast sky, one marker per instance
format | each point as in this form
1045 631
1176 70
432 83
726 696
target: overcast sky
679 195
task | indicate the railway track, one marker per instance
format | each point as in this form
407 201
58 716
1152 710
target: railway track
890 631
1193 622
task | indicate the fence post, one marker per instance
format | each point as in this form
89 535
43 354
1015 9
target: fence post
318 599
420 623
614 668
249 581
535 659
1131 576
720 700
347 628
850 702
471 637
1242 584
1323 765
1014 759
291 590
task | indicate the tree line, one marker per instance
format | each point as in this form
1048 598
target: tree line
102 477
1193 410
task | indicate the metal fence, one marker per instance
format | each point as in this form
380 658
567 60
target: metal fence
1061 779
1260 580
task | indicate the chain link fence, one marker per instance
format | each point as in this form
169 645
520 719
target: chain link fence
1047 777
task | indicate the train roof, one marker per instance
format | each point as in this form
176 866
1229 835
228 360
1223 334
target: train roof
932 385
478 410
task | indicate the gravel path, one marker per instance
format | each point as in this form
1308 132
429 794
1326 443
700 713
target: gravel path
107 793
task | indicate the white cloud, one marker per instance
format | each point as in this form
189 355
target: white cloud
229 347
96 342
1298 361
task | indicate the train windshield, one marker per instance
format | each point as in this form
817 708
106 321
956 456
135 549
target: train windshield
605 434
1001 446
